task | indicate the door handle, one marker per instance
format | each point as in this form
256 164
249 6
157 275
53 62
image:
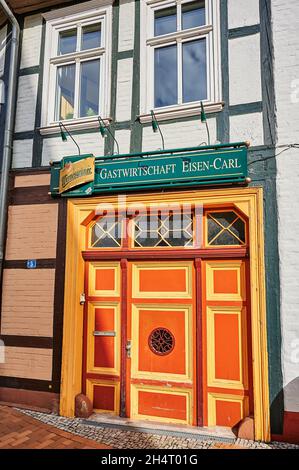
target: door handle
104 333
129 348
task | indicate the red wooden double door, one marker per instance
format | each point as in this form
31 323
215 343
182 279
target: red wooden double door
168 340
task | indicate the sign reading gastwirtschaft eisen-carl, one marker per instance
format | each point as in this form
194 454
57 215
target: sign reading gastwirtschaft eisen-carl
84 175
160 171
76 173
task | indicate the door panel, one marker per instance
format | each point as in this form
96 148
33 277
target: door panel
102 342
148 325
104 279
103 351
161 331
161 280
225 315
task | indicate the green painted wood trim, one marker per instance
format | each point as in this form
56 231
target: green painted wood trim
223 116
136 134
125 54
246 108
271 224
109 143
244 31
29 71
37 140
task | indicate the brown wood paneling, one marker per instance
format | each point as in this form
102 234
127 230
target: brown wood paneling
24 6
27 302
27 363
30 399
26 384
59 294
32 180
22 264
42 342
32 232
31 195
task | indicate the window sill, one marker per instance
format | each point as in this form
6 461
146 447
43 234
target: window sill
73 125
181 112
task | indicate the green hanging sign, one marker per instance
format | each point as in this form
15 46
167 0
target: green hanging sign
222 164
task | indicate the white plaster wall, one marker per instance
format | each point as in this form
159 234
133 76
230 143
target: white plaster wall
31 41
286 46
123 138
126 25
54 149
245 70
243 13
247 127
180 134
3 32
22 153
26 103
124 89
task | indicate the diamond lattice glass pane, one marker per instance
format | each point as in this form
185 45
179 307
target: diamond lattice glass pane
238 228
106 234
224 218
163 231
213 229
226 238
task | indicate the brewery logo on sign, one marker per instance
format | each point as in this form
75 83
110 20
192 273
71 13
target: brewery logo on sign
76 173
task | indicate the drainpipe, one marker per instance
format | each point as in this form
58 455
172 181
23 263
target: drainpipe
9 126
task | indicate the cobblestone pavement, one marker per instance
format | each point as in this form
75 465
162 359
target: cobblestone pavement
123 439
21 431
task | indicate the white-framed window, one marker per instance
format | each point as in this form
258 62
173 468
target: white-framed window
77 67
180 61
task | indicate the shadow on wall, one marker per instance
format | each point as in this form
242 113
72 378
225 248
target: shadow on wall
285 424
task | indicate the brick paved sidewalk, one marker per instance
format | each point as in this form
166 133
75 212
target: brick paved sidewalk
19 431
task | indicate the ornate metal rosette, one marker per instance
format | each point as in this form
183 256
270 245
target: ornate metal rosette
161 341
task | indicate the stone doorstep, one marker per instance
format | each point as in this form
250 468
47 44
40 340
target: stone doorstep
214 432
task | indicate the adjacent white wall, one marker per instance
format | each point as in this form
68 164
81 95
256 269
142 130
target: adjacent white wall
243 13
286 43
31 43
178 134
124 89
54 149
26 103
126 25
245 70
247 127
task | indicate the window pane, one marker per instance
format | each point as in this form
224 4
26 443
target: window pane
168 230
107 233
89 88
165 21
65 92
225 219
67 42
225 238
194 71
166 79
225 228
193 14
91 37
